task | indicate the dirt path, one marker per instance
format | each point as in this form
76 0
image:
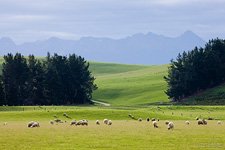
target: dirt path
102 103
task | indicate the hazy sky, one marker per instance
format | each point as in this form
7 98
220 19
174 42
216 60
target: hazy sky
29 20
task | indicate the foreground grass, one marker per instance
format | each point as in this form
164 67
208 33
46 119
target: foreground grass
125 133
121 135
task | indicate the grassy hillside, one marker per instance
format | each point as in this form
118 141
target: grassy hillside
212 96
129 84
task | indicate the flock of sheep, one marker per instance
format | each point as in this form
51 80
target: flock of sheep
84 122
170 124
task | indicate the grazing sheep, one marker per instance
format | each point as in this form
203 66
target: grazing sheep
187 122
166 122
153 119
170 125
58 121
85 122
197 118
73 122
155 124
147 119
35 124
51 122
210 118
139 119
80 122
97 122
30 124
219 122
110 122
202 122
105 121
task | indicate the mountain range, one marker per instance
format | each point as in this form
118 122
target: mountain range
139 48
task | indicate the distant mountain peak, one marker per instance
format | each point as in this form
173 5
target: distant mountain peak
146 48
189 33
7 40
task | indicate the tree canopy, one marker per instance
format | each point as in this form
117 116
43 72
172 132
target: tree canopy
196 70
57 80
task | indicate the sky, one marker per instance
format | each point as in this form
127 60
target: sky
31 20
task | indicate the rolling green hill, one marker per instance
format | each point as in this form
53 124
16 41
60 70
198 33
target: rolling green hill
212 96
129 84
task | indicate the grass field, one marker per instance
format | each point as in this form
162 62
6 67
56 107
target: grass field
124 133
130 84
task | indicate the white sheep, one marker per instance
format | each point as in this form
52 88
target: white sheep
187 122
140 119
85 122
80 122
73 122
219 122
97 122
35 124
110 122
155 124
30 124
105 121
170 125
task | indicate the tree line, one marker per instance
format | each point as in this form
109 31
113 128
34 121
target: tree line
55 80
196 70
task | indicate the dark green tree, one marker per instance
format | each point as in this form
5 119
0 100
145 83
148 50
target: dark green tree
196 70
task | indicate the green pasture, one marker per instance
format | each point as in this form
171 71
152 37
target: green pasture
124 133
134 85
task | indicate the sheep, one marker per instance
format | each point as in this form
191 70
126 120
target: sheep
170 125
97 122
155 124
105 121
85 122
166 122
187 122
139 119
202 122
58 121
5 123
219 122
35 124
51 122
80 122
73 122
153 119
110 122
30 124
147 119
65 115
